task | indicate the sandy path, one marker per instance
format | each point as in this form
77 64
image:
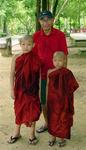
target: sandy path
78 139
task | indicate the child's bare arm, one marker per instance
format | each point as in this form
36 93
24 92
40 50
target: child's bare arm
66 59
12 76
40 83
49 71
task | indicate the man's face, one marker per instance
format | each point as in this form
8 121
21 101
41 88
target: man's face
46 23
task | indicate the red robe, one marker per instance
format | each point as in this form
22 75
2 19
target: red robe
27 103
60 102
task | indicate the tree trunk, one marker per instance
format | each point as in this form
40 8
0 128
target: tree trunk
45 5
38 8
70 24
55 7
41 5
5 25
79 12
9 46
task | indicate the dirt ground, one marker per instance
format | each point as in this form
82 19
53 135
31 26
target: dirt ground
78 137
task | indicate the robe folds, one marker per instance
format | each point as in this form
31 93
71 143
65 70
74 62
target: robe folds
26 89
60 102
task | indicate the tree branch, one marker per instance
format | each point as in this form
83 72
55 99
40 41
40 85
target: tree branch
55 7
65 2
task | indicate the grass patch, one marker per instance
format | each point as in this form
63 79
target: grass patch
79 54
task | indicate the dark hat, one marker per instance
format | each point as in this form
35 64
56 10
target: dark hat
44 14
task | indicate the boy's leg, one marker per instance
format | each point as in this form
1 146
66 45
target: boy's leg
32 138
62 142
17 130
43 105
16 135
52 140
32 131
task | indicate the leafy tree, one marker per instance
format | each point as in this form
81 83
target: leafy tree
20 16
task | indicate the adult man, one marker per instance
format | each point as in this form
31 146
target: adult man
47 41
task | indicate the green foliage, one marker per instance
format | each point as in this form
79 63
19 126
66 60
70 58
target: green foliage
73 14
2 34
19 15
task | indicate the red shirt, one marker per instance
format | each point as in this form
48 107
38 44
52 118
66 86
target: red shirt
46 45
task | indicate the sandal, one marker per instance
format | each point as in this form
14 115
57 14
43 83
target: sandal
42 129
13 139
33 141
62 143
51 143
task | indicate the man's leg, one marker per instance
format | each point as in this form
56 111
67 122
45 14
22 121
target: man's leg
43 105
44 110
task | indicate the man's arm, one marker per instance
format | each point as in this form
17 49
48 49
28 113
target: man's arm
63 47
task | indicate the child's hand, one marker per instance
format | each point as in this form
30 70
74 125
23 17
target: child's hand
12 95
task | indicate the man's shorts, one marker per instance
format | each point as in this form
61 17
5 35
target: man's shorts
43 91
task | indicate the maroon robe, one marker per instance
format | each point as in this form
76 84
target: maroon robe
60 102
27 103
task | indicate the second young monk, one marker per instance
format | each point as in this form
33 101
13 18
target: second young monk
60 100
24 79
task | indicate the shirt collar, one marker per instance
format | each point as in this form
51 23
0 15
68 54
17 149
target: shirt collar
51 33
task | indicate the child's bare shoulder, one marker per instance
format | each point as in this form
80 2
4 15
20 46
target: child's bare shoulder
15 57
51 70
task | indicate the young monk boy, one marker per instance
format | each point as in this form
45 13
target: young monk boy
60 100
24 80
